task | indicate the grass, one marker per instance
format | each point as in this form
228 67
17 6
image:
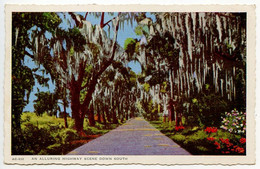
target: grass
47 135
194 139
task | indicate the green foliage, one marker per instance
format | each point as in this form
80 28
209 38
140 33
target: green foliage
178 137
139 30
72 51
68 135
46 102
164 87
48 21
240 82
151 110
22 76
36 138
44 121
205 111
93 130
99 128
146 87
46 135
53 129
42 80
202 148
194 139
129 46
53 149
163 47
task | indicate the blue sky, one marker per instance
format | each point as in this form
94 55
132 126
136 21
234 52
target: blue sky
123 34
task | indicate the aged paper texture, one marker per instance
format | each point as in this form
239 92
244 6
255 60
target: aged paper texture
175 57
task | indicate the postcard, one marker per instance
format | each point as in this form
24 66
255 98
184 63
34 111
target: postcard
130 84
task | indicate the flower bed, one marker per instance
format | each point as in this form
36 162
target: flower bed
224 146
234 122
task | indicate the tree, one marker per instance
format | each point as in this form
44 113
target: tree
80 66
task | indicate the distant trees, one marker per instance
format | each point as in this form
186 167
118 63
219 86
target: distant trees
115 97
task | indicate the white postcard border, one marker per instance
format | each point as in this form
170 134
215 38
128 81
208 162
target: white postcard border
164 160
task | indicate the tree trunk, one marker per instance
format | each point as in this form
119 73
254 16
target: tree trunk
164 118
122 111
91 117
79 124
98 114
65 114
118 111
115 121
108 115
126 115
171 113
75 107
104 117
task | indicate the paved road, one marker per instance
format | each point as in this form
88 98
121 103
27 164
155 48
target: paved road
135 137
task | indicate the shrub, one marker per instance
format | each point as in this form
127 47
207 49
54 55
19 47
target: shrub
199 135
234 122
68 135
37 139
178 137
202 148
205 111
54 149
93 130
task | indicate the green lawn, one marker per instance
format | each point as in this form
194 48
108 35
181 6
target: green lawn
46 135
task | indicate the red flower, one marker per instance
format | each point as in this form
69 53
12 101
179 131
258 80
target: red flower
229 145
177 128
216 143
240 150
242 140
214 130
225 141
210 138
211 130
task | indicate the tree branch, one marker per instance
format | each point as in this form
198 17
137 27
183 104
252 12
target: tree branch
94 80
102 20
108 22
112 54
102 24
28 54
